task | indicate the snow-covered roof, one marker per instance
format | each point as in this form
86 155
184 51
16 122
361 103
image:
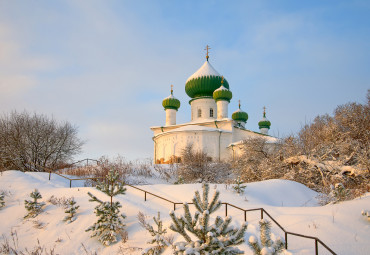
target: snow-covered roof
222 88
195 128
205 70
268 139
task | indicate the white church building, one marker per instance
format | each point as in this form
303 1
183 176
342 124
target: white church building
210 129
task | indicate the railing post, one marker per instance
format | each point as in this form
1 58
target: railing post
286 240
245 216
261 213
144 196
225 209
70 183
316 247
174 206
49 175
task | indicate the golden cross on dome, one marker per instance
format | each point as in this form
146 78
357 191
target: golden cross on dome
239 103
171 88
222 79
264 111
207 49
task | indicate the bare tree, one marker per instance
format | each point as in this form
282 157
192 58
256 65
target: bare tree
29 141
330 150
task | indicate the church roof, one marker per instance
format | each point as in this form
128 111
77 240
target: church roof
205 70
195 128
171 102
204 82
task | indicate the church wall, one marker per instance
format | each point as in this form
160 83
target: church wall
172 144
203 106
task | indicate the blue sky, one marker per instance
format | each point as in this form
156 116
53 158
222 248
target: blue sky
105 66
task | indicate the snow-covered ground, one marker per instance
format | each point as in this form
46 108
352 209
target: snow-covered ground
341 226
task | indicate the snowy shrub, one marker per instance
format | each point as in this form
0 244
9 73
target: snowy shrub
71 210
159 240
33 207
59 201
197 166
238 186
218 238
267 246
109 222
330 149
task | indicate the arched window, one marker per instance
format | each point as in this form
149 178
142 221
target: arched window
211 112
199 113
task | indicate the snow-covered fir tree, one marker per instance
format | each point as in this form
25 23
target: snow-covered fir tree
267 246
2 202
71 210
110 222
238 186
33 207
218 238
159 241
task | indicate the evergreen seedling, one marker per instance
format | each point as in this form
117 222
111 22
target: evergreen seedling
218 238
2 202
238 186
109 221
340 193
158 237
33 207
366 214
267 246
71 210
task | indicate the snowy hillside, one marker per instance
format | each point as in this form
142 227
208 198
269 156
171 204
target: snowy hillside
294 206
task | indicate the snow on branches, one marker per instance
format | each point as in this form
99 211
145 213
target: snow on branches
218 238
71 210
238 186
109 222
267 246
33 207
159 240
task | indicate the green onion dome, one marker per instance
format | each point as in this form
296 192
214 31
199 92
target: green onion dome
222 93
240 115
171 102
204 82
264 123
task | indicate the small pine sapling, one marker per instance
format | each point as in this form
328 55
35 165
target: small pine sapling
2 202
110 223
33 207
340 193
267 246
238 186
218 238
180 180
366 214
71 210
159 241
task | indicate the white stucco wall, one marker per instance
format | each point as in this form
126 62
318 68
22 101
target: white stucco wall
204 105
222 109
172 144
170 117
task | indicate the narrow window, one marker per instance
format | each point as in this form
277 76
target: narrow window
211 112
199 113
